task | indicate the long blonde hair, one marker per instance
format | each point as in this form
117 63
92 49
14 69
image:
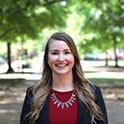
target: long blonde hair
82 86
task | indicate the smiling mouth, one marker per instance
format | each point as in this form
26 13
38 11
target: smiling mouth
61 65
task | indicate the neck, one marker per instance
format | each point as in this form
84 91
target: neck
62 82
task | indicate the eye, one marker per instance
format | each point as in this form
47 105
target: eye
67 52
54 53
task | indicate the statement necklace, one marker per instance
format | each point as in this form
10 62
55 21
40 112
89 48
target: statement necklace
62 104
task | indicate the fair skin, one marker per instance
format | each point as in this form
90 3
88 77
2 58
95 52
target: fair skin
61 62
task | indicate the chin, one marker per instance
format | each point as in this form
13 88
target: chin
62 73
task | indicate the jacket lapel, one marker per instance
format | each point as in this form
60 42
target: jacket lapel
44 114
83 113
80 111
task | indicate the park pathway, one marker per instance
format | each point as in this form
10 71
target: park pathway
11 103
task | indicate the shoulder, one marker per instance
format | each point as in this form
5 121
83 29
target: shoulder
29 91
30 88
97 91
95 88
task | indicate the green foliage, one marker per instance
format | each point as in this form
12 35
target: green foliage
26 18
104 20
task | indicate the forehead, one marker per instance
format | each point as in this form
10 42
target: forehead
58 44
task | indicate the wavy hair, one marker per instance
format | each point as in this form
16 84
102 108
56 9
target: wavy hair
82 86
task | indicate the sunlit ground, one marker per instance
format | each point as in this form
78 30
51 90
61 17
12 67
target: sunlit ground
21 76
95 69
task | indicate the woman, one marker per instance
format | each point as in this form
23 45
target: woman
63 95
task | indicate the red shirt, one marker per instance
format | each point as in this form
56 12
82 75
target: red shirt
63 107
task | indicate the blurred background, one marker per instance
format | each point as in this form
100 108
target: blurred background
98 32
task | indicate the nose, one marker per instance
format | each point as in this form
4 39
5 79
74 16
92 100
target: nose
61 57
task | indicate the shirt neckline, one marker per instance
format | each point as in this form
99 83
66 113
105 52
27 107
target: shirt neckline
57 91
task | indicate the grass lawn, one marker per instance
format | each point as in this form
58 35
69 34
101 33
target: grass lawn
108 83
106 80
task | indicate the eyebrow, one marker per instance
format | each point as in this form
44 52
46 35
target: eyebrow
58 50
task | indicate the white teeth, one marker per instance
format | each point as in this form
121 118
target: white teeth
61 65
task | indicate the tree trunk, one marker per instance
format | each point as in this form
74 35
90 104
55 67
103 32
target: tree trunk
106 59
115 54
10 70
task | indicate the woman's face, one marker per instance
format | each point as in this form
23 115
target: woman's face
60 57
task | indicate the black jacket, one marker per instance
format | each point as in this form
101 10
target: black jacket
83 113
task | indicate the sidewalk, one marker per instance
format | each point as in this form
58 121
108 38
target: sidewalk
11 103
115 111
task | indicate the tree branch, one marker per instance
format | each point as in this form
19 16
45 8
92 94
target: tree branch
114 16
1 9
121 2
2 35
46 3
52 2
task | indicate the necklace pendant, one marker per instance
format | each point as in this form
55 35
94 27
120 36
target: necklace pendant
55 102
53 99
62 104
59 104
70 103
66 105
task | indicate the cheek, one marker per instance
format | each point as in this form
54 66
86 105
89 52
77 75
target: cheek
51 61
70 59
